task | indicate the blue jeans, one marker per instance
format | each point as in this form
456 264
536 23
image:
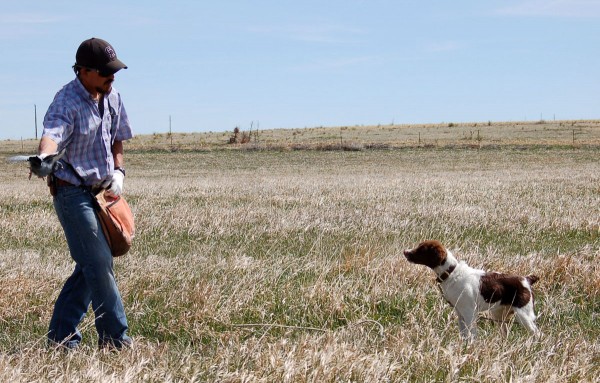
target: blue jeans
92 280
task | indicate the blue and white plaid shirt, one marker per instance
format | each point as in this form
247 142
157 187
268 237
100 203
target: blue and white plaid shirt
73 121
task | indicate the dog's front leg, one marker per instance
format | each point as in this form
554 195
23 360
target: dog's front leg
467 326
464 328
526 317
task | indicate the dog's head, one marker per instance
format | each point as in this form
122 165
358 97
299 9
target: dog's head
429 253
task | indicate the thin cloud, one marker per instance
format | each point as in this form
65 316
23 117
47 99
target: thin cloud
345 62
29 18
324 34
14 26
446 46
337 64
553 8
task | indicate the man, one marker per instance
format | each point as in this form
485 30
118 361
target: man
87 118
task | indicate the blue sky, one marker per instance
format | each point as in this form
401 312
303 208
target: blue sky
215 65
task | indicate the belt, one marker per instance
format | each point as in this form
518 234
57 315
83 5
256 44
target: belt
93 189
60 182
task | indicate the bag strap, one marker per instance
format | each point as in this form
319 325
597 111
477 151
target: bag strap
101 107
113 113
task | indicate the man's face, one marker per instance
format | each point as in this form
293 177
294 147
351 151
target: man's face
92 79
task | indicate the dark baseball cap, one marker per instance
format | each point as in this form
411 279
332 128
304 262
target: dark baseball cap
98 54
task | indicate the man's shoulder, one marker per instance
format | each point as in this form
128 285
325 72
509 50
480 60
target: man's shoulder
69 94
73 87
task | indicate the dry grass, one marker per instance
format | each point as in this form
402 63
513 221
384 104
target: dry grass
269 266
576 133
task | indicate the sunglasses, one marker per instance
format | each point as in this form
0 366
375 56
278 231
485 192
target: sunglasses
101 73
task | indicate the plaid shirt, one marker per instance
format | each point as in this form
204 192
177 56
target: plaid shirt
73 121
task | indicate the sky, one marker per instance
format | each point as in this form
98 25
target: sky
208 66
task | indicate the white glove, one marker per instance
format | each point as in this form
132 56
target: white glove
116 185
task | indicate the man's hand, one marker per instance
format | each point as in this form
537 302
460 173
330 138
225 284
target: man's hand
116 185
44 164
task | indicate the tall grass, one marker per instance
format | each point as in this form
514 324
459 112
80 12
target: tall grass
287 266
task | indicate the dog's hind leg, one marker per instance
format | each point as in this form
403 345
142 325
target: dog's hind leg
501 314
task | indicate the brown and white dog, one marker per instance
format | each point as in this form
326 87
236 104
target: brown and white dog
471 290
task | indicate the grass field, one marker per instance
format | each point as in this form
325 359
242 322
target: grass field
276 264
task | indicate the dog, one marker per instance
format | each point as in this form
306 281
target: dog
471 291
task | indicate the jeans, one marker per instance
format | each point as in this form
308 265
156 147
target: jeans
92 280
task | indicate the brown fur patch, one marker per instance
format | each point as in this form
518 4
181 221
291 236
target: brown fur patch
504 288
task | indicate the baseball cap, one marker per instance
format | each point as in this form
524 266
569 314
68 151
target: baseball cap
98 54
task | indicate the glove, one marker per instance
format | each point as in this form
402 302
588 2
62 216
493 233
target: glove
116 184
45 164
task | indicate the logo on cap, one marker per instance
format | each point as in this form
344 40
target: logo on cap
110 52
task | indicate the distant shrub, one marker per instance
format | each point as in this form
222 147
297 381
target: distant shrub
239 137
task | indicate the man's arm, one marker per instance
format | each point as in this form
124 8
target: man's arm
116 185
117 152
47 146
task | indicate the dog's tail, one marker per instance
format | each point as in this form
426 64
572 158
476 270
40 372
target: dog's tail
532 279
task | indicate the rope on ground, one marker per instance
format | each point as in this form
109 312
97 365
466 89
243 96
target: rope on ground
274 325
